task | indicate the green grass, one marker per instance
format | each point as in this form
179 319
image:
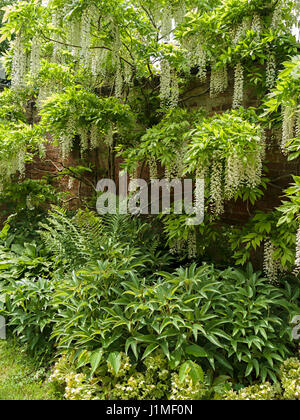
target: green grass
20 377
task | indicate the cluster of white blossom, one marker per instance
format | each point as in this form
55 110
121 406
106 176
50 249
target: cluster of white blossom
109 139
234 173
290 378
77 385
239 32
297 261
22 160
71 183
99 58
119 81
83 132
19 64
256 24
66 139
218 81
178 247
85 36
180 12
263 145
76 389
75 36
176 168
94 137
201 61
180 162
263 392
153 168
174 90
165 81
196 54
16 163
271 71
166 23
277 16
271 266
186 389
298 124
288 126
216 187
192 244
57 18
127 73
35 55
253 169
238 95
200 193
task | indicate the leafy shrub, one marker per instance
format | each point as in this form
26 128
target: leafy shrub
236 323
30 312
86 238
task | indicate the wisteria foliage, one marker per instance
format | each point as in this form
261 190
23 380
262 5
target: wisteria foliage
85 61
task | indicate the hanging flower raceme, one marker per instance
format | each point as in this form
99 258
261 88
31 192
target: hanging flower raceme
192 245
75 36
238 96
21 161
166 23
288 126
218 81
277 16
119 81
234 174
19 64
66 139
57 18
174 94
256 24
153 168
297 261
165 82
85 37
201 62
240 31
200 194
271 266
109 139
180 12
84 139
271 71
216 187
35 55
95 137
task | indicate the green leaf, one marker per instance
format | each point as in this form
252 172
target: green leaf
96 358
149 350
114 359
197 351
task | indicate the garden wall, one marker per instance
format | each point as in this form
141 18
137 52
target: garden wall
196 95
